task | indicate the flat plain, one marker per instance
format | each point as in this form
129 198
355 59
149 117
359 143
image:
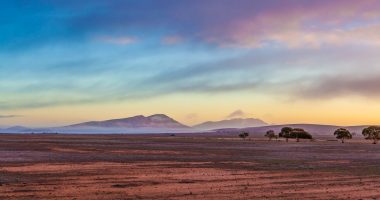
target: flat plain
54 166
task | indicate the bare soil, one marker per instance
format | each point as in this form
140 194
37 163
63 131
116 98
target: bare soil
185 167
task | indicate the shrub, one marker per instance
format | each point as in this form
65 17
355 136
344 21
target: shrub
271 134
243 135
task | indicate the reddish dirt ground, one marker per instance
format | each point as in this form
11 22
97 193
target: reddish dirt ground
185 167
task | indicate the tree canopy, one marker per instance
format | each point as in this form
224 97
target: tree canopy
270 134
288 132
285 133
342 134
300 133
372 133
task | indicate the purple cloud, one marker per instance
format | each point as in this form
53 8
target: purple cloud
9 116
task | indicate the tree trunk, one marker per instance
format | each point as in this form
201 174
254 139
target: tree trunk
287 139
342 140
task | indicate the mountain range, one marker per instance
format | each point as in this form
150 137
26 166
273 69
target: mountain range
22 129
160 123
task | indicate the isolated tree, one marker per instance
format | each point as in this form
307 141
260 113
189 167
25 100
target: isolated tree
270 135
372 133
342 134
285 133
300 133
243 135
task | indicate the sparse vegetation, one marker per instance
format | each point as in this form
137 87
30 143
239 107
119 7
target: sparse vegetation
372 133
187 153
244 135
270 135
342 134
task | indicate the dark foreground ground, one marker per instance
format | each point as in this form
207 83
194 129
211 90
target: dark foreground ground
164 167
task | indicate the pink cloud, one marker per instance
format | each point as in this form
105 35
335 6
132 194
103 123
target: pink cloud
192 116
171 40
298 26
124 40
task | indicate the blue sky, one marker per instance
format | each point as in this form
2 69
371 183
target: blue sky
283 61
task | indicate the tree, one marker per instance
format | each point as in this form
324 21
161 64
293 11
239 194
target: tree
372 133
270 135
342 134
300 133
285 133
243 135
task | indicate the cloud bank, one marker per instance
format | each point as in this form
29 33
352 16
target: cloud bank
83 52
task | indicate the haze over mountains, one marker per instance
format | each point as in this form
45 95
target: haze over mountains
160 123
18 129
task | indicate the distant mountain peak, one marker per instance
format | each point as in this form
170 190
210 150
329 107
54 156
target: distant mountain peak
231 123
159 117
138 121
17 128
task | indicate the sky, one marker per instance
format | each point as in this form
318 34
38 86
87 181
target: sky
283 61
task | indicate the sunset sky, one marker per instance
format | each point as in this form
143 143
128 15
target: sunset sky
283 61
